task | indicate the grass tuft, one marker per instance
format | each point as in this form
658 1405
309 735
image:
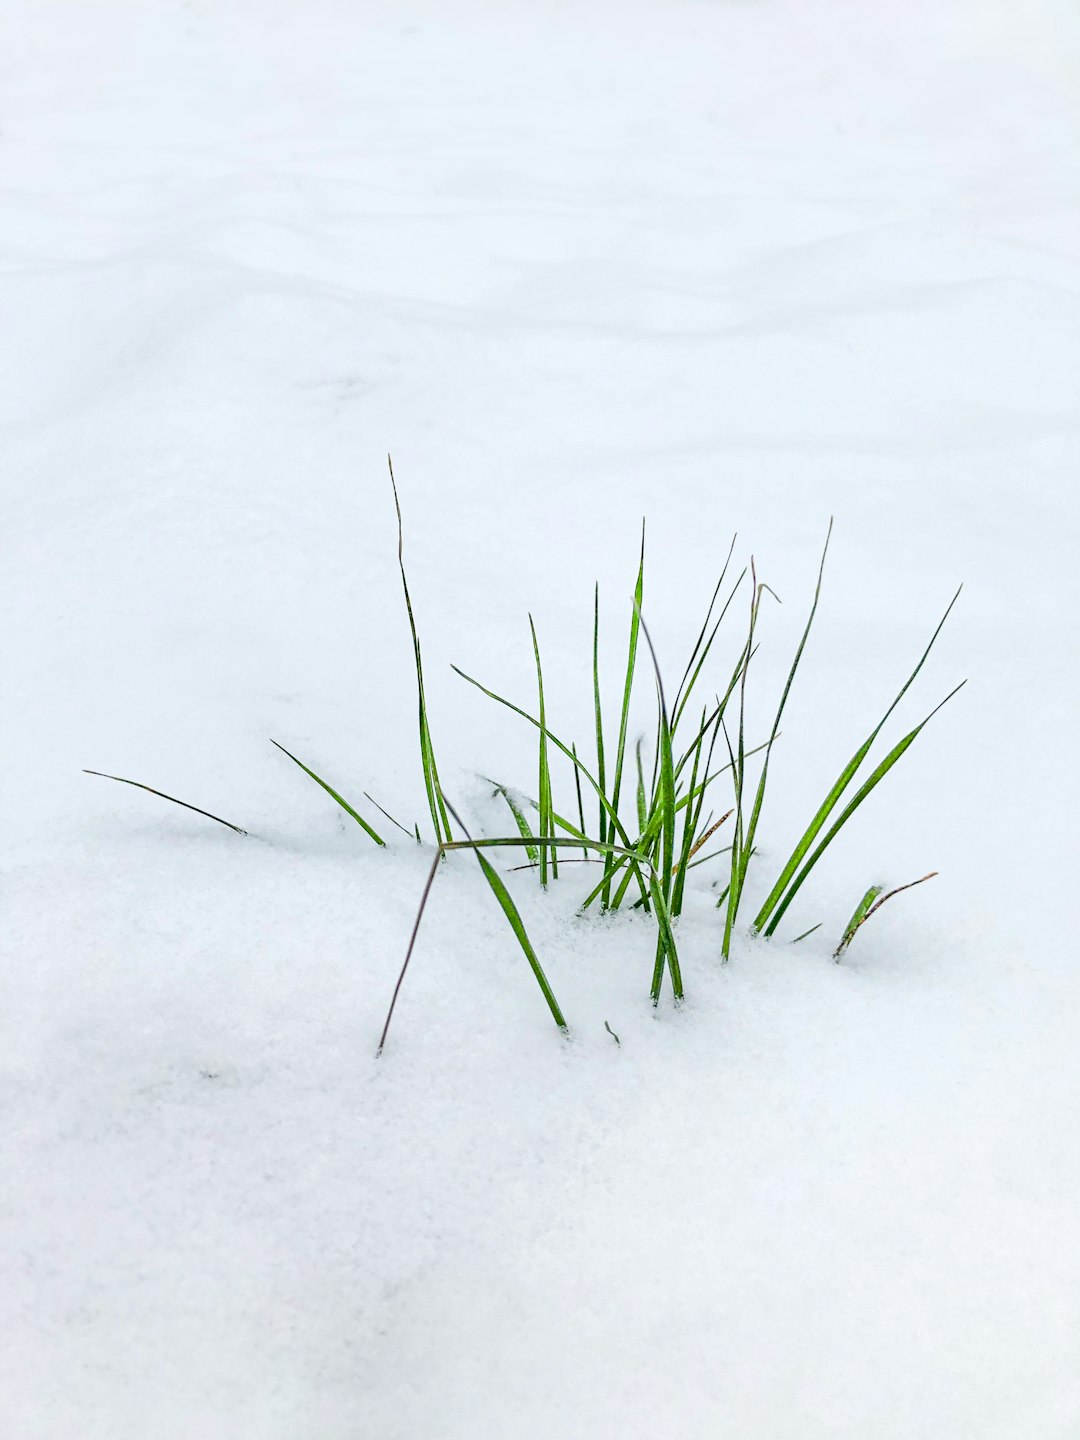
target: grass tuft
647 831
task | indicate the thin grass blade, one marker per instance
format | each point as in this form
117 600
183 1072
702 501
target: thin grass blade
513 915
628 686
427 750
598 715
333 794
171 798
755 814
404 829
547 828
519 819
409 951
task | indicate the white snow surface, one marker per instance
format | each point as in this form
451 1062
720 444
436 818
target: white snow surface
734 267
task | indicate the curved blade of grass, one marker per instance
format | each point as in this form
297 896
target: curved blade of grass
869 909
843 780
878 774
162 796
427 751
333 794
519 820
513 915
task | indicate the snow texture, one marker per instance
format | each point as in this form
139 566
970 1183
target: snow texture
731 266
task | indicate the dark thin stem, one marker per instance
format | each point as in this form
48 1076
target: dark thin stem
412 943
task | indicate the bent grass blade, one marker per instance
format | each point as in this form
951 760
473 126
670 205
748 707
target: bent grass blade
519 820
427 751
171 798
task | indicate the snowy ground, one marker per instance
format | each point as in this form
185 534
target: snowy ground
727 265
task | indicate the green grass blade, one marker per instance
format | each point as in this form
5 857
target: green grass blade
171 798
806 933
577 788
475 846
667 951
628 686
695 837
704 859
660 887
740 850
546 826
857 917
601 775
666 770
736 850
333 795
427 750
513 915
746 655
686 689
865 789
689 821
519 819
755 814
642 809
843 780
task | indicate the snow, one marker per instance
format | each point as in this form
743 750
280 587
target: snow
731 266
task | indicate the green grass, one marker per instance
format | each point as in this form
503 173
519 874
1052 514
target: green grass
701 769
